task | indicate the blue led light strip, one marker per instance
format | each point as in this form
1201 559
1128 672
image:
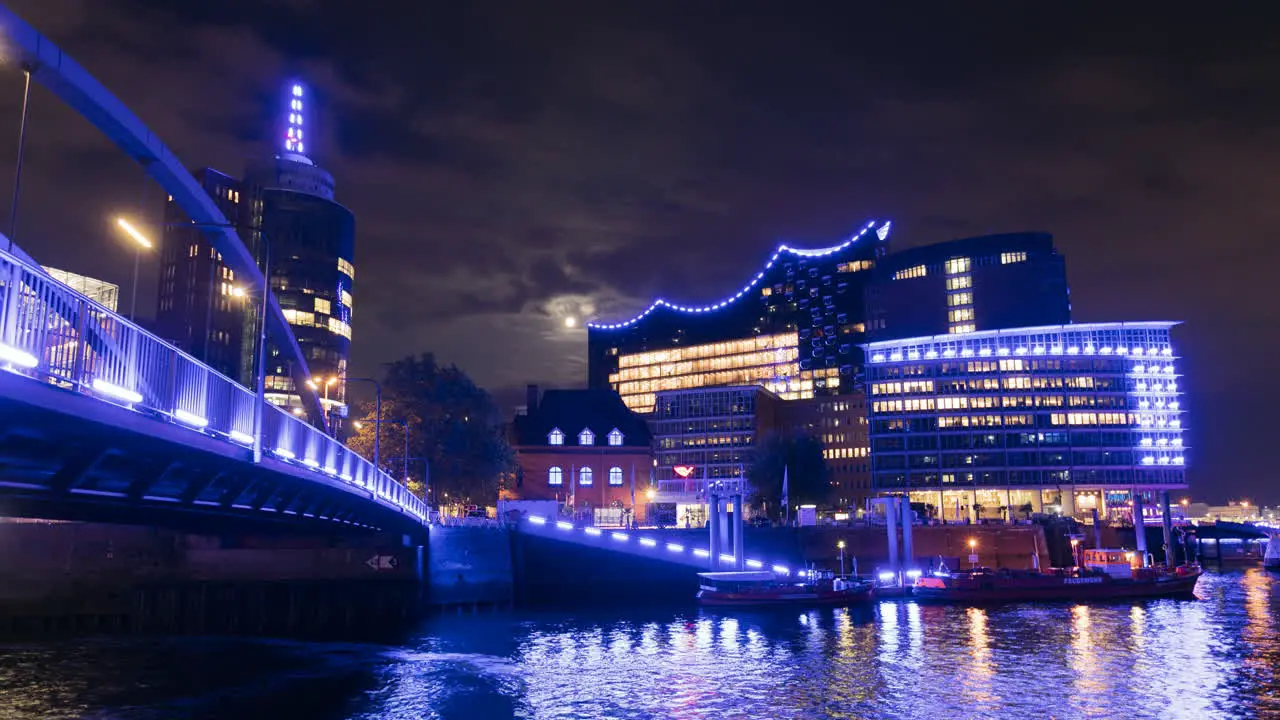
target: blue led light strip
882 232
651 544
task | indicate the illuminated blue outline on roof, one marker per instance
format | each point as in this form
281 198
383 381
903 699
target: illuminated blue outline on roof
882 232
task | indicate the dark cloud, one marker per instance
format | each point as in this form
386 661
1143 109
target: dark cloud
512 164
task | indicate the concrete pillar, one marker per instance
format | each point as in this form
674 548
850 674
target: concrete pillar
973 507
908 551
713 523
739 561
1097 530
891 528
1037 500
1008 506
1166 518
1139 525
726 542
942 509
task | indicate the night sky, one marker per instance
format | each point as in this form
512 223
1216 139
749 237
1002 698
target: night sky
514 164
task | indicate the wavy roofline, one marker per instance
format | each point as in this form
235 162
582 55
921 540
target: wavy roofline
882 232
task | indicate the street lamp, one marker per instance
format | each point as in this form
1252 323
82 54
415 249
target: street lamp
840 545
973 552
377 417
142 242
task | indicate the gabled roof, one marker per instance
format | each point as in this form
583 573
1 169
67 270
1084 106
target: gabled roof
573 410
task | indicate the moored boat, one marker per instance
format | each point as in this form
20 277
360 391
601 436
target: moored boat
1104 575
765 588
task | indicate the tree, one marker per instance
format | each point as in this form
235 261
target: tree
453 425
806 470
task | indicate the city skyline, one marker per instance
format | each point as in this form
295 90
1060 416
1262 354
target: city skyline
593 229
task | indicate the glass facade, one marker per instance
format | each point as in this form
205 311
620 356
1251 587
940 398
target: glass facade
768 360
1091 406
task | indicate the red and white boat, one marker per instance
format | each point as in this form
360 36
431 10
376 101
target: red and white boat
765 588
1103 575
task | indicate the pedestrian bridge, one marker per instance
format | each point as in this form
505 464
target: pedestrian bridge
101 420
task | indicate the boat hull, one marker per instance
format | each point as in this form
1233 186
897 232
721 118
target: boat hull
833 597
1174 586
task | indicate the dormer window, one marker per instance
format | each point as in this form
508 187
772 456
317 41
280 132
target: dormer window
615 437
555 437
586 437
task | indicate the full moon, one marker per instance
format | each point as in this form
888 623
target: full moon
570 321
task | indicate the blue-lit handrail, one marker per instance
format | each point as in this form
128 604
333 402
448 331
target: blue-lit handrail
54 334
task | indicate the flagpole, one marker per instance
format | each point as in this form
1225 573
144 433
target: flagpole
633 493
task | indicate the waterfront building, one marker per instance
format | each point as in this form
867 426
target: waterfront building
100 291
1065 418
584 449
968 285
840 423
283 206
706 435
198 306
794 327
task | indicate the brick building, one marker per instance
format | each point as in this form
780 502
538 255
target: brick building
585 449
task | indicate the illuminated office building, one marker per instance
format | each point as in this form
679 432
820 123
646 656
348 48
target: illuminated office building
794 327
1065 418
705 435
968 285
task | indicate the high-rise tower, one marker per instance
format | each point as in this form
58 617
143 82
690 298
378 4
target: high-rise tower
284 208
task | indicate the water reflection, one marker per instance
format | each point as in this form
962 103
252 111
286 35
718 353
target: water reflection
1214 658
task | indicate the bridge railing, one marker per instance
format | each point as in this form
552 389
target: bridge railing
54 334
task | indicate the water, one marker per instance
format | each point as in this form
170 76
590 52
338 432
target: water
1215 657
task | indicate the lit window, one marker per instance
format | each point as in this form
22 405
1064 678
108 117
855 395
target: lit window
955 266
345 298
300 318
960 315
615 476
584 477
960 282
1012 257
586 437
337 327
346 268
555 437
555 476
615 437
911 272
322 306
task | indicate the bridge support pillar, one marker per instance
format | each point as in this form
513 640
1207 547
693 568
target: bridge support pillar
739 512
1139 525
713 525
908 519
1166 520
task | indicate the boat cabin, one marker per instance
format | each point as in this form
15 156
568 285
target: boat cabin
1116 563
736 582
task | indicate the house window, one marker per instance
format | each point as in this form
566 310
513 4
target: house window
555 476
615 437
555 437
584 477
586 437
615 476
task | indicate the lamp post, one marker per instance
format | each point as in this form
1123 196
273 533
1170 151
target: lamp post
142 242
377 417
973 553
17 173
840 545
